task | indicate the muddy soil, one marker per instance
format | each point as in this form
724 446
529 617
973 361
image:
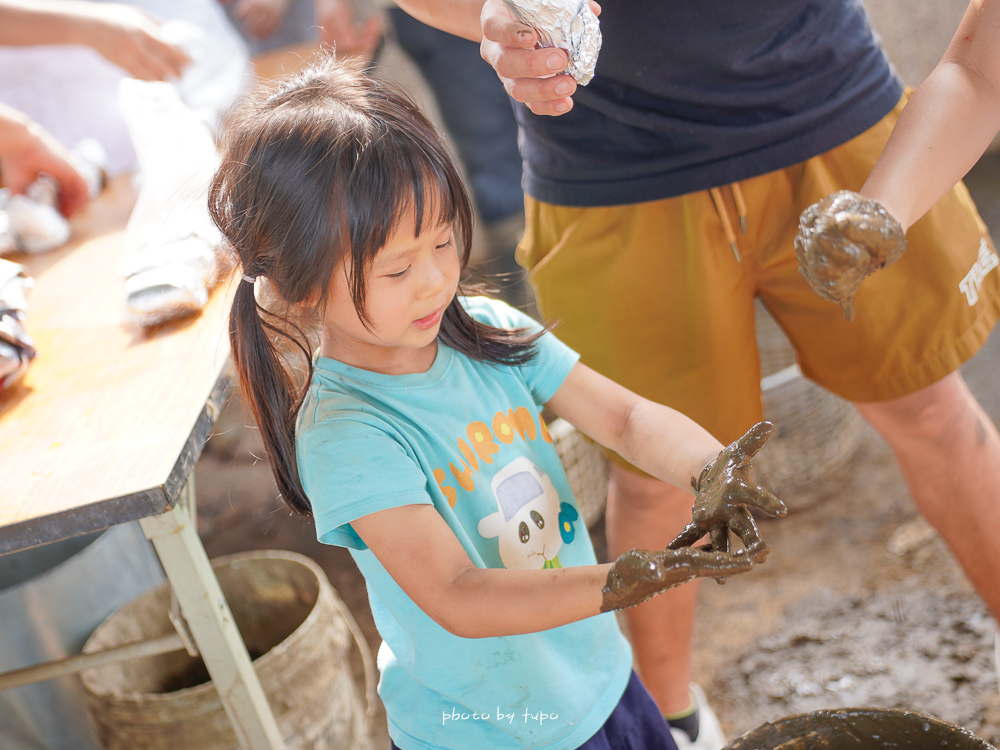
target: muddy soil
859 603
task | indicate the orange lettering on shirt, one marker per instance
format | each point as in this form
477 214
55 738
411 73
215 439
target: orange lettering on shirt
502 428
482 441
449 492
464 477
545 430
468 455
523 422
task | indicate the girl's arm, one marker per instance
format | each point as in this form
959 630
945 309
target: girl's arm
659 440
422 555
948 122
670 446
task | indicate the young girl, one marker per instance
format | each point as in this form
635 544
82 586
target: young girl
418 441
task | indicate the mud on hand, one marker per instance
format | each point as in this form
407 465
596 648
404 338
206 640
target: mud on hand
843 239
641 574
724 491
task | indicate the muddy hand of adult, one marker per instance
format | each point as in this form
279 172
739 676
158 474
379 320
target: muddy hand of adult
528 73
641 574
130 39
723 493
843 239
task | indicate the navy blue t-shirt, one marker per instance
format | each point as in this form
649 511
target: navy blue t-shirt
691 94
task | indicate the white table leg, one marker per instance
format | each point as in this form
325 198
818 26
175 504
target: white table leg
205 609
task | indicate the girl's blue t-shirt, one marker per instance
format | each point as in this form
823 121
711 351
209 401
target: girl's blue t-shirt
468 438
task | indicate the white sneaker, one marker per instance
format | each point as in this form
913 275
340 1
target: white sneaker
710 735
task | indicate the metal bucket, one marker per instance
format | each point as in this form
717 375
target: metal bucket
298 633
51 599
858 729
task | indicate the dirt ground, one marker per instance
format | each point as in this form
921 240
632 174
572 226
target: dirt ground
859 603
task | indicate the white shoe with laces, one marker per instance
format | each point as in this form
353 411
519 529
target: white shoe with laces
709 732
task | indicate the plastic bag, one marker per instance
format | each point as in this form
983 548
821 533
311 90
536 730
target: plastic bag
170 239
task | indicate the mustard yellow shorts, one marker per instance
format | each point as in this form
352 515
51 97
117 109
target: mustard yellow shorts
652 296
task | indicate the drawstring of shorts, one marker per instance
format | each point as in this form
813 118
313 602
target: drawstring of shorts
727 226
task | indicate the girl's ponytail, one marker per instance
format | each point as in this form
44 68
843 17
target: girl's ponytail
269 390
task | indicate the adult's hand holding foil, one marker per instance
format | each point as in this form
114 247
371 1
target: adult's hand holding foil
641 574
567 24
531 73
724 491
842 240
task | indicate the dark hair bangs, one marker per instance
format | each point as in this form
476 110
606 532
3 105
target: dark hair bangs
403 168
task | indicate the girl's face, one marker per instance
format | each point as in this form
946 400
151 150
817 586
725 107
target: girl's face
411 282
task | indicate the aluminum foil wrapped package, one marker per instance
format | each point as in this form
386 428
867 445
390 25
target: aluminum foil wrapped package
31 223
35 221
567 24
16 348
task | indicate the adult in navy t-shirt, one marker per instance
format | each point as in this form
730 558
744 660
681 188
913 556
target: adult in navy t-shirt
690 95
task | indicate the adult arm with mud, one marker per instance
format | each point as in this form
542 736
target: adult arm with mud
424 557
943 129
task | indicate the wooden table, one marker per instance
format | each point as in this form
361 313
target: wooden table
106 427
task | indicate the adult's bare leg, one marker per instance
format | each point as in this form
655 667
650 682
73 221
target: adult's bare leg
646 513
949 453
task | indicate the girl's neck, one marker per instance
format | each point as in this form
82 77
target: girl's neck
382 359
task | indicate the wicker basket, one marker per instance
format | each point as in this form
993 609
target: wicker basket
817 432
586 466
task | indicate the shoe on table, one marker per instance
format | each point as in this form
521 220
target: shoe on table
699 730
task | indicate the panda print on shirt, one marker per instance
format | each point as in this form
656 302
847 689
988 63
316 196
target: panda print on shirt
531 524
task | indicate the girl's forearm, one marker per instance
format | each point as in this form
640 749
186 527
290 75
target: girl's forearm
665 443
488 602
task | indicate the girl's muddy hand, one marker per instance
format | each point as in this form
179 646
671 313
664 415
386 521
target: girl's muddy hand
639 575
724 491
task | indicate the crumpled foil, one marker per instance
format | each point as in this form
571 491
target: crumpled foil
567 24
16 348
35 220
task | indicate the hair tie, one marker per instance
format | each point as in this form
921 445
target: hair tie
251 279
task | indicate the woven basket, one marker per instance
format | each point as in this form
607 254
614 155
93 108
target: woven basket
817 433
586 466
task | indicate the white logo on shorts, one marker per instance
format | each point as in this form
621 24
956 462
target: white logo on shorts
973 280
